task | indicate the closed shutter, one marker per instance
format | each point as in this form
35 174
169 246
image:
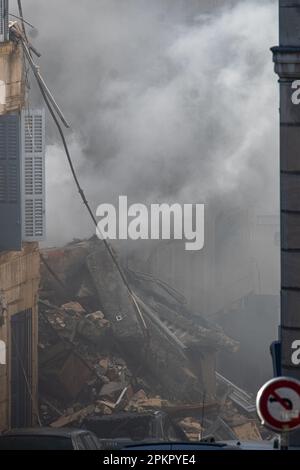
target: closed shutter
33 175
10 203
3 20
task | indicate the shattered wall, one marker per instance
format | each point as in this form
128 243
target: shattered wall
160 340
11 77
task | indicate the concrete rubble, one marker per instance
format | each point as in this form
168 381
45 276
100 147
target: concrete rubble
95 358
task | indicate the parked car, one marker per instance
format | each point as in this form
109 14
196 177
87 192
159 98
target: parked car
183 446
48 439
273 444
124 428
206 444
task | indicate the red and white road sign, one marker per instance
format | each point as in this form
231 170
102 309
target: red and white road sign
278 404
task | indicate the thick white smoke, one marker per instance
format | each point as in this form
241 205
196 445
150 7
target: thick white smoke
164 106
172 101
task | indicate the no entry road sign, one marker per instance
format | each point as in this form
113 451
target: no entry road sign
278 404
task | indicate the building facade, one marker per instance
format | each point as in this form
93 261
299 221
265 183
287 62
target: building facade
21 226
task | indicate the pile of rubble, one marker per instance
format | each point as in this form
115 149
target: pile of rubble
97 357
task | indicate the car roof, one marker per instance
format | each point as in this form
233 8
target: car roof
180 446
127 415
253 445
44 431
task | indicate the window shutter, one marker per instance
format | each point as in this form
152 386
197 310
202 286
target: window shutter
3 20
33 175
10 203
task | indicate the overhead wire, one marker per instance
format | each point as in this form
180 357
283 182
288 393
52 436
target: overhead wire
22 19
49 101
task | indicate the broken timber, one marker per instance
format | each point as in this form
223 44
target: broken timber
175 352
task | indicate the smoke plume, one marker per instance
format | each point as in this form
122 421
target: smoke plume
169 101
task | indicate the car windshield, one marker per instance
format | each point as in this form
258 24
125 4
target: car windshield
35 443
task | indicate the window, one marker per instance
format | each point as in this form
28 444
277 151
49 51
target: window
80 443
89 442
35 443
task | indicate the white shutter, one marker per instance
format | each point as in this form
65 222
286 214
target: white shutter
3 20
33 175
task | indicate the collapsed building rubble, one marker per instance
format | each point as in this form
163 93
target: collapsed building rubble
98 357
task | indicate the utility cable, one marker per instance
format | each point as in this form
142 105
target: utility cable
48 102
87 205
61 284
23 21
